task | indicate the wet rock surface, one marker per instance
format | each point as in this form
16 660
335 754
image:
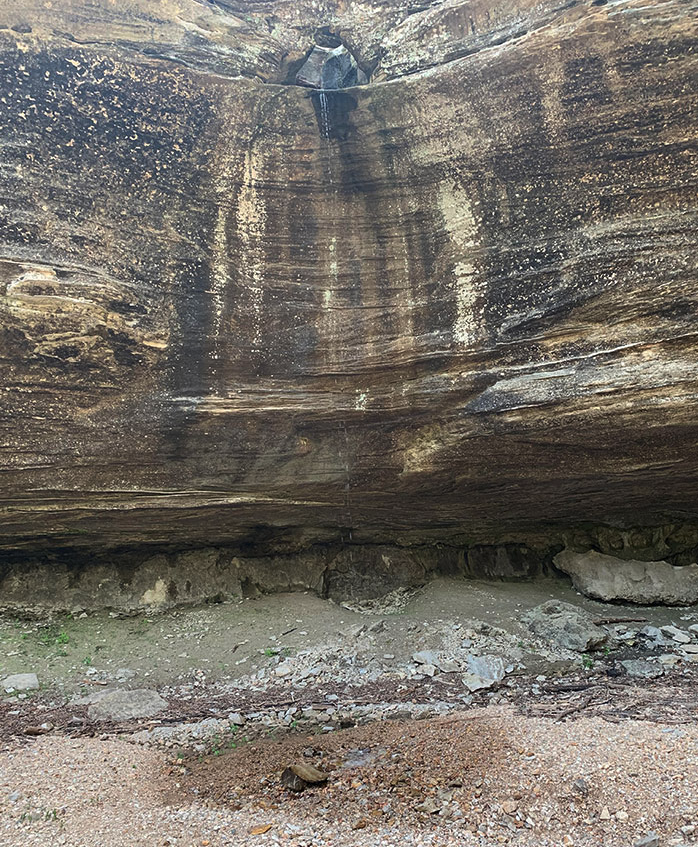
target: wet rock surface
330 68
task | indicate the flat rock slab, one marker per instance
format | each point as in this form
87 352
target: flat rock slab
123 705
488 667
642 669
483 672
21 682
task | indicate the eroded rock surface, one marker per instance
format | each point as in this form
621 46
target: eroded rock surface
608 578
455 304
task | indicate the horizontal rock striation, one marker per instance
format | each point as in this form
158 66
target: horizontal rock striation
456 304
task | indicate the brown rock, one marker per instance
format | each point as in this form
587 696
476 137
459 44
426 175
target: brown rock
250 316
41 729
298 777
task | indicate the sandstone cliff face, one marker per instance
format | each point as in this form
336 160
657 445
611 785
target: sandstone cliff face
457 302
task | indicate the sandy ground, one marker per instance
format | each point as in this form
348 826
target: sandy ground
584 755
230 640
492 776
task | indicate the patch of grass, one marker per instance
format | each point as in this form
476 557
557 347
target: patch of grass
52 636
47 637
31 815
216 745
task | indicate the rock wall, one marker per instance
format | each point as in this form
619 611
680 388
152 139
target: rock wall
455 305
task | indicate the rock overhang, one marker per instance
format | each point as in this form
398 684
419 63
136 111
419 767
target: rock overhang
446 286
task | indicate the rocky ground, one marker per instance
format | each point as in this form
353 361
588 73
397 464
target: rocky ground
464 713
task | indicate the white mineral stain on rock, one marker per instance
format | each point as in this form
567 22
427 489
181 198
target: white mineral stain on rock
462 230
155 596
251 227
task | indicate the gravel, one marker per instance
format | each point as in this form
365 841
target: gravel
485 777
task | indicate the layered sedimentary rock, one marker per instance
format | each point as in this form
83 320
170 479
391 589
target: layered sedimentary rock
454 304
609 578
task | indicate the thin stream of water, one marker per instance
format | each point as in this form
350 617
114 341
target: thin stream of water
324 114
326 130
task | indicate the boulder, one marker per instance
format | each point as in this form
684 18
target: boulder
487 667
564 625
483 672
504 561
425 657
366 573
610 579
642 669
680 636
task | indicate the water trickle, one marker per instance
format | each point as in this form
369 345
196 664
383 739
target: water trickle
326 132
324 115
344 520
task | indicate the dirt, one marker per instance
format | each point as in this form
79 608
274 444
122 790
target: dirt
487 777
470 766
232 640
496 766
